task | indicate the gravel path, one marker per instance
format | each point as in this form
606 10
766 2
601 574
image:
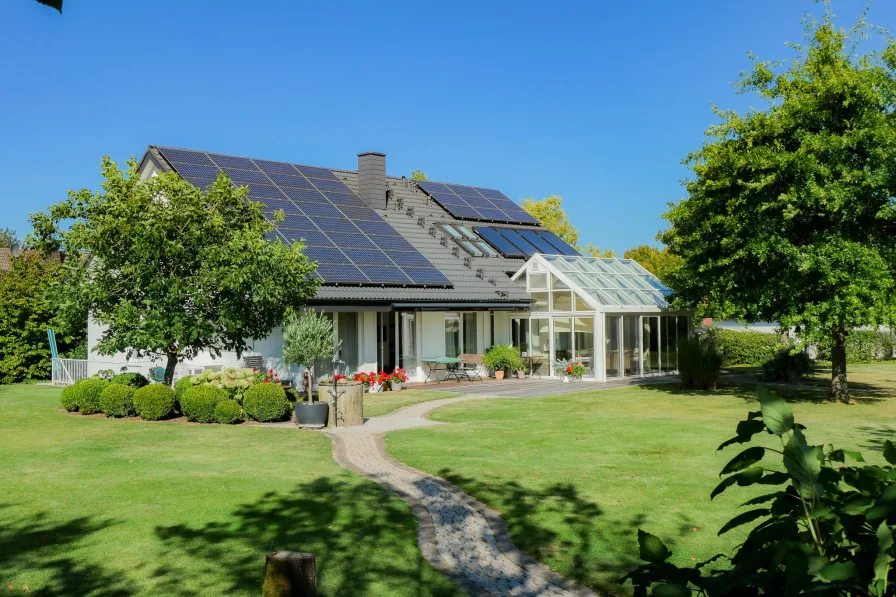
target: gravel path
458 535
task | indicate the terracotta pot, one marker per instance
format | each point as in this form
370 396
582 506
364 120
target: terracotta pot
499 374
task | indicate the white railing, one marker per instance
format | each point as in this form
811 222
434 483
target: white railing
68 371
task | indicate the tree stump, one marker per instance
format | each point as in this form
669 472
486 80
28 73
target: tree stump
289 574
351 403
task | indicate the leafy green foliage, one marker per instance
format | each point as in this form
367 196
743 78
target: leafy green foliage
26 312
743 347
699 362
827 531
9 238
863 346
228 412
133 379
117 400
175 270
595 251
789 365
198 403
307 337
658 262
234 381
182 385
789 216
418 175
549 211
87 394
154 402
266 402
501 357
69 399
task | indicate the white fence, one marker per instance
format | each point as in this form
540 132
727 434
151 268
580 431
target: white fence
68 371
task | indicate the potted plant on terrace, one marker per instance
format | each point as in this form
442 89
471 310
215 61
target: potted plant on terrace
501 357
576 370
308 337
561 366
399 378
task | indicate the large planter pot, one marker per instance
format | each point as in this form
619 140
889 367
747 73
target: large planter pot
499 374
397 386
311 414
565 379
376 388
521 375
350 404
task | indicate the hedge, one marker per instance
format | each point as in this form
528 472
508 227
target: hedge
182 385
69 399
87 394
229 412
744 348
198 403
134 380
265 402
154 402
117 400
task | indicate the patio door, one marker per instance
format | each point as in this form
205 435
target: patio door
409 343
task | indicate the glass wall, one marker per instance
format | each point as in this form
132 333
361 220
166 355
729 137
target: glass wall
540 301
562 339
519 334
540 347
470 333
561 296
668 344
651 340
631 345
611 341
584 343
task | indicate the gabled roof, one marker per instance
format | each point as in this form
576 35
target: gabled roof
603 283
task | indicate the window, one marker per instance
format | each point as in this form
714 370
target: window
668 345
467 240
470 334
631 344
584 339
519 334
461 334
538 281
540 301
651 338
540 346
611 337
452 334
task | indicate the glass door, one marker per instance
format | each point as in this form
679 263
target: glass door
611 339
651 340
631 344
584 343
409 343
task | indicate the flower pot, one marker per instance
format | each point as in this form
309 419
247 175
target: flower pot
397 386
576 378
521 375
375 388
565 379
311 414
499 374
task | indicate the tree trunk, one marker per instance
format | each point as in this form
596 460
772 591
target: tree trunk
289 574
309 382
839 389
169 368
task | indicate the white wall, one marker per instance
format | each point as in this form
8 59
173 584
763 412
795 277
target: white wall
502 327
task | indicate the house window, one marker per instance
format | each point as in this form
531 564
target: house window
469 334
461 334
467 240
452 334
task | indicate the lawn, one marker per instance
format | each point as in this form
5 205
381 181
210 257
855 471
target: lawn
575 476
94 506
383 403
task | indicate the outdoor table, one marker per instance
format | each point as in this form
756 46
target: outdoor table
436 364
533 361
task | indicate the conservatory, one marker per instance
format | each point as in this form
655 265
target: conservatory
610 315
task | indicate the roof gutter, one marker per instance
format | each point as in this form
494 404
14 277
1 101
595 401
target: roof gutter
476 306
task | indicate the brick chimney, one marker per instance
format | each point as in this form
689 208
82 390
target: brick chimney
372 178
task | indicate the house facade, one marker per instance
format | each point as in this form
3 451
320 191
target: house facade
412 271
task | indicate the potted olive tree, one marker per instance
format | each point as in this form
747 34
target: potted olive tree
308 337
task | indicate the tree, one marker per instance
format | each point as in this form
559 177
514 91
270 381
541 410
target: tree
418 175
593 251
790 214
25 314
658 262
174 270
549 211
8 238
308 337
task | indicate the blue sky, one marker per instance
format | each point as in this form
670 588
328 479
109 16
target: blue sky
595 101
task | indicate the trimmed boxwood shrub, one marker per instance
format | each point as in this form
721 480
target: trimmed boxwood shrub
198 403
87 394
154 402
743 347
135 380
117 400
69 399
265 402
699 362
181 386
229 411
787 366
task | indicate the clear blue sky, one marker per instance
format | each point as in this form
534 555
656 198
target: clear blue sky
595 101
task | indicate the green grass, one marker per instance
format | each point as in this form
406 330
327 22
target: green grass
575 476
94 506
383 403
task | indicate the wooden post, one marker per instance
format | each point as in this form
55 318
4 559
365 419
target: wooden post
289 574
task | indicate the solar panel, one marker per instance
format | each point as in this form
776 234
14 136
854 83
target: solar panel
501 244
475 203
541 244
326 220
521 243
557 242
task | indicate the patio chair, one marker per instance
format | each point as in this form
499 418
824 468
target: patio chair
469 368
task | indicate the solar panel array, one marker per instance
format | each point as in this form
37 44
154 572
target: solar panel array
350 241
475 203
520 243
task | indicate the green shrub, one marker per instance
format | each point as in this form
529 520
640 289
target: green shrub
181 386
863 346
233 381
229 412
134 380
117 400
787 366
87 394
265 402
501 357
821 526
743 347
198 403
69 399
699 362
154 402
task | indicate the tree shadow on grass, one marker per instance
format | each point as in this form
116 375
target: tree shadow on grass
876 436
363 542
557 524
811 390
42 545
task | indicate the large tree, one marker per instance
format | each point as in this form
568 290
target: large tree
174 270
658 262
549 211
790 214
8 238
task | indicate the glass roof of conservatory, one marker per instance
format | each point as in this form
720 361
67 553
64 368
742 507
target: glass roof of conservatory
608 282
